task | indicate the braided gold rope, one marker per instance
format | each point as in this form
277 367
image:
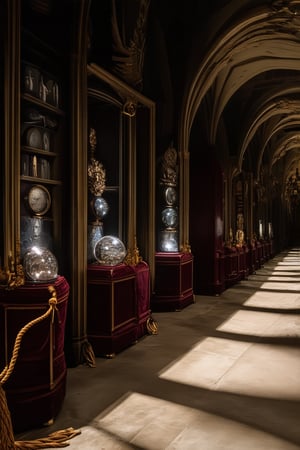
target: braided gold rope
58 439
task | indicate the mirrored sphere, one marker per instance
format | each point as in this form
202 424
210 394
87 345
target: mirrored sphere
100 207
110 251
40 265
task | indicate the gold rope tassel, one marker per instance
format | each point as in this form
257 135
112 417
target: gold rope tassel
58 439
152 325
6 430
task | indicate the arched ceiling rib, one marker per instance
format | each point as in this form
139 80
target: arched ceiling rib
239 71
285 144
283 110
266 41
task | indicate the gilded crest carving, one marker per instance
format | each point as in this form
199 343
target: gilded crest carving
96 172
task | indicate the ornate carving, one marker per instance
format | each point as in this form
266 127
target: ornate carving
287 15
129 108
186 248
240 236
169 167
96 172
128 58
133 256
12 276
290 7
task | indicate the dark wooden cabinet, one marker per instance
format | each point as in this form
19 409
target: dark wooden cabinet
43 149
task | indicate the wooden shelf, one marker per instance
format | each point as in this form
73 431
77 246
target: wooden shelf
40 180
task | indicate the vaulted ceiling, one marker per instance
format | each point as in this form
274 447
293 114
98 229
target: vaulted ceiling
238 60
242 59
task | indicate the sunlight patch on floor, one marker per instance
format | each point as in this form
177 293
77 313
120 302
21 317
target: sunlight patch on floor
262 370
264 324
289 262
284 278
284 271
142 421
280 286
276 301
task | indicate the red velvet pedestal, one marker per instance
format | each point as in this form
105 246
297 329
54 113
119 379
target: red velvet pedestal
173 281
111 308
36 388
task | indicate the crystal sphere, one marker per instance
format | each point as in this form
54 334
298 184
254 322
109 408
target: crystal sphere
100 207
110 251
40 265
169 217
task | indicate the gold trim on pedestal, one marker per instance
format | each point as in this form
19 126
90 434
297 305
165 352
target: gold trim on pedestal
133 256
12 276
186 248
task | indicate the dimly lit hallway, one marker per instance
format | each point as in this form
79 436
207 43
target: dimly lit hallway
224 373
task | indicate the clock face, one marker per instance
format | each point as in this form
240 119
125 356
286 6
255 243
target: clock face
39 200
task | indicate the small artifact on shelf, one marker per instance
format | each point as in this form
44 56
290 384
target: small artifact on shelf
31 80
39 200
34 137
43 90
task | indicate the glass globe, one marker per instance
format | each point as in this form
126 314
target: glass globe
169 217
110 251
100 207
40 265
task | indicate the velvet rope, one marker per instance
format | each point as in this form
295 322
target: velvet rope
57 439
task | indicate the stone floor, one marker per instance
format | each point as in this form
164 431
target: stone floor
224 373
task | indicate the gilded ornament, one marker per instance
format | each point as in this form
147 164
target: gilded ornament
133 256
12 276
96 177
186 248
96 172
